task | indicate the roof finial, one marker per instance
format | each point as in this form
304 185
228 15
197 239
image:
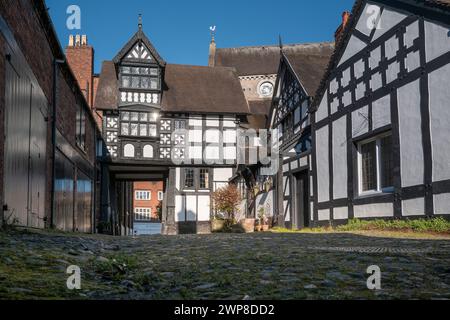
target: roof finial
281 42
213 33
140 22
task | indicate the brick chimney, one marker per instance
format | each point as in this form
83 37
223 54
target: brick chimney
345 18
80 56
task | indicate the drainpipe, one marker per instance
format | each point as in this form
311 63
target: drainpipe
56 62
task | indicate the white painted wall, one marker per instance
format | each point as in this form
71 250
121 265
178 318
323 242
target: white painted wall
374 210
410 121
340 158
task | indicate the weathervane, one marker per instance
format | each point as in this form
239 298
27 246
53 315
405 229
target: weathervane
213 32
140 22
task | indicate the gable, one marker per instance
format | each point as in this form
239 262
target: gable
381 44
140 52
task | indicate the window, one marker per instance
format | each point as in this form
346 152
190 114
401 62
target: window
180 124
139 78
148 151
137 124
81 127
160 196
376 165
128 151
143 195
204 178
189 178
142 214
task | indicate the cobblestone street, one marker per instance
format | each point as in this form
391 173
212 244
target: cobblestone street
222 266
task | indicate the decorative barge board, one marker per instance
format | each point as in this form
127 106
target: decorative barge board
381 121
175 123
298 78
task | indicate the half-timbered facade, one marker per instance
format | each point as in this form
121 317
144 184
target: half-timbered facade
380 125
175 123
298 79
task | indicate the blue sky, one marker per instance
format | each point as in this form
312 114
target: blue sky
179 29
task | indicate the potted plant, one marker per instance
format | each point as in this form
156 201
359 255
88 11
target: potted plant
256 190
258 226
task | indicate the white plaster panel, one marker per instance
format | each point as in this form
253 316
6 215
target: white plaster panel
324 215
179 209
212 122
392 72
437 41
212 136
229 124
334 105
388 20
286 167
442 203
374 210
381 112
191 208
195 122
392 46
340 158
311 186
229 153
375 57
360 123
353 47
177 178
412 33
410 121
413 207
195 152
303 162
229 136
219 185
360 90
323 171
376 81
286 187
359 69
196 136
212 153
347 98
412 61
334 86
345 77
287 209
322 111
311 206
294 165
340 213
439 88
223 174
204 208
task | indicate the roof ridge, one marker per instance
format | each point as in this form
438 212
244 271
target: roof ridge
277 46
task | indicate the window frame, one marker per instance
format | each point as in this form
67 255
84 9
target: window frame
80 127
378 163
151 121
160 195
140 193
139 211
151 77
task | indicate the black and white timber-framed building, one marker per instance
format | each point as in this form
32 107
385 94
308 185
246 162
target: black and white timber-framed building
381 118
174 123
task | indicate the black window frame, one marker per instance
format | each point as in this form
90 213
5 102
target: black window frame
80 127
149 122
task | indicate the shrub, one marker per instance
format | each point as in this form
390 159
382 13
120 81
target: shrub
439 225
226 200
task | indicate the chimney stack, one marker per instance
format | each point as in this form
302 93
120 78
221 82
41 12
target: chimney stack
84 40
345 19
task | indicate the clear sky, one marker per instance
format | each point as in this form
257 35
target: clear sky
179 29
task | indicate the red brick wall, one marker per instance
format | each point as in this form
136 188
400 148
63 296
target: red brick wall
29 32
81 61
153 187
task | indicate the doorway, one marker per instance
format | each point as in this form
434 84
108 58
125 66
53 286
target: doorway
301 216
147 207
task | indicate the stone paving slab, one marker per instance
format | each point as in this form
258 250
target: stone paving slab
222 266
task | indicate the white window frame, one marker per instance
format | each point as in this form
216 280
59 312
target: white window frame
144 212
378 189
143 195
160 195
